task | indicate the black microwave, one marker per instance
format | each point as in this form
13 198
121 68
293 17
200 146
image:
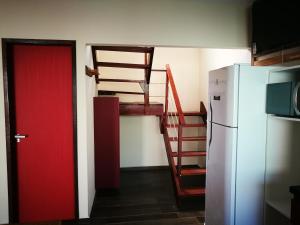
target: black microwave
283 99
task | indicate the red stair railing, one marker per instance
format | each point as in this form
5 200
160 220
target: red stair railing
172 125
173 118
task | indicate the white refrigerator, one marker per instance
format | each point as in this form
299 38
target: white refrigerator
236 139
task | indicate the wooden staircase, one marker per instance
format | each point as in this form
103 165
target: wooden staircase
127 108
175 119
172 117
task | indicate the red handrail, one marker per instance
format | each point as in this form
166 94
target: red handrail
181 120
175 95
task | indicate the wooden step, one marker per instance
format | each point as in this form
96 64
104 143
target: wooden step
123 65
187 113
192 138
159 70
187 125
189 153
120 80
186 192
138 49
102 92
141 109
192 171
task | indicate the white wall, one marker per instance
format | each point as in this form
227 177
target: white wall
141 142
282 164
190 67
184 63
169 22
91 91
3 168
212 59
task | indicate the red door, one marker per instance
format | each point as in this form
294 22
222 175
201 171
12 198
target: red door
44 112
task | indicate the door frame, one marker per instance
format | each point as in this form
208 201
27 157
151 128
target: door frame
7 44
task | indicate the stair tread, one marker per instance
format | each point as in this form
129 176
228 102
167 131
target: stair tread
140 109
140 103
187 125
120 80
192 191
189 153
200 138
123 65
106 92
191 138
140 49
192 171
188 113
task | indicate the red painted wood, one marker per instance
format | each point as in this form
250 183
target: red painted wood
203 110
187 125
181 192
165 121
177 171
179 149
149 63
122 65
187 113
145 85
175 95
138 49
190 172
120 80
102 92
189 153
107 143
140 109
43 106
197 138
171 162
158 70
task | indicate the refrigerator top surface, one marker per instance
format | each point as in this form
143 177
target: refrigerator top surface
223 96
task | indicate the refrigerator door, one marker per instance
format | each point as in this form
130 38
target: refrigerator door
220 178
223 96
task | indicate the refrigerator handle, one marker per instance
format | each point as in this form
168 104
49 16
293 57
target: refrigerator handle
211 118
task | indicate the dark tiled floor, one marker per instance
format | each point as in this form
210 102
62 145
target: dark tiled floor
145 198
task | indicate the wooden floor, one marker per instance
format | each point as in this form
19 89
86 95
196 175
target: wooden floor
145 198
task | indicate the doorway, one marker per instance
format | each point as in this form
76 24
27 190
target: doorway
146 195
41 129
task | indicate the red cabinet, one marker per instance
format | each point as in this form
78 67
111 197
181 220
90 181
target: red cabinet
107 142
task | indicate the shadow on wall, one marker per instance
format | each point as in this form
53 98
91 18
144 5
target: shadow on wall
282 168
141 142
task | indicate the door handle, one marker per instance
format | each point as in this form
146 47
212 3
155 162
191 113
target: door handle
211 127
211 119
18 137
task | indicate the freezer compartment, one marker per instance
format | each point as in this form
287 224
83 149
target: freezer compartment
220 178
223 96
